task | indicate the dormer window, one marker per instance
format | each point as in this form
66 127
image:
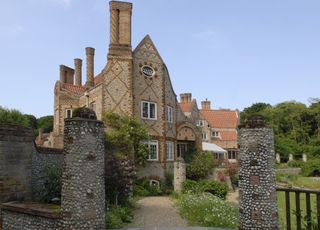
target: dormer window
148 71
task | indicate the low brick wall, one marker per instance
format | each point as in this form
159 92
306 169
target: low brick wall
29 216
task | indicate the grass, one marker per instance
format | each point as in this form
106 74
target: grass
207 210
312 183
282 209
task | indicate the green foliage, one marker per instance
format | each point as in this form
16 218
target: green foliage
200 166
295 164
296 126
206 210
311 167
139 190
13 117
125 135
32 121
45 123
118 216
52 184
214 187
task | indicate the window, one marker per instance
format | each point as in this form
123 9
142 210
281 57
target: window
169 114
68 113
215 134
170 151
232 154
148 110
204 136
200 123
152 147
147 71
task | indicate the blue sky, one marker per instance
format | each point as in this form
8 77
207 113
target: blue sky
233 52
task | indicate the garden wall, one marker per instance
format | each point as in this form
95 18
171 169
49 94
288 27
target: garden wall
29 217
42 158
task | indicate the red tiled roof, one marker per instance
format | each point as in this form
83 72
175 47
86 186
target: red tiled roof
221 118
80 89
228 135
186 106
73 88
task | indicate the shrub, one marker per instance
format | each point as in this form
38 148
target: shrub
208 211
190 186
311 167
52 184
139 190
295 164
13 117
200 166
118 179
118 216
214 187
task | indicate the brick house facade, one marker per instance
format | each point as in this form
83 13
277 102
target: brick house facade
135 82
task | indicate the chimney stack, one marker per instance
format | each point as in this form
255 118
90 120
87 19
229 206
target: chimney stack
120 28
78 71
66 74
206 104
185 97
90 67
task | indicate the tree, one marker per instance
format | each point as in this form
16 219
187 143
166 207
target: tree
125 135
32 120
45 123
256 108
13 117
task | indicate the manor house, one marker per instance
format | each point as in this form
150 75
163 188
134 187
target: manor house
135 82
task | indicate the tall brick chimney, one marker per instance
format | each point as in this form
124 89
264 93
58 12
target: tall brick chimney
120 28
206 104
90 67
185 97
66 74
78 71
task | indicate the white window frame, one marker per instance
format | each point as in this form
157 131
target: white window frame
148 104
170 150
169 114
148 145
66 113
204 136
215 133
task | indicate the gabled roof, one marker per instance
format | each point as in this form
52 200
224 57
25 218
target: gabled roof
147 39
221 118
186 106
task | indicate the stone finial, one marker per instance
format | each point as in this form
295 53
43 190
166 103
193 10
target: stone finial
255 121
85 113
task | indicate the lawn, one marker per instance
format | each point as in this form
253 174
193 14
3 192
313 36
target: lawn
282 209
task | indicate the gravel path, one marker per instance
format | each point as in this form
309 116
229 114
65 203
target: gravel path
157 212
